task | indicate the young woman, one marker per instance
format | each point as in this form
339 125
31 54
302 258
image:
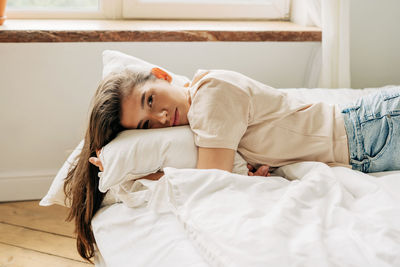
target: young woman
230 112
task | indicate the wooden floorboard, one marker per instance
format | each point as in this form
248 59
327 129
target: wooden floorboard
30 214
39 241
31 235
11 256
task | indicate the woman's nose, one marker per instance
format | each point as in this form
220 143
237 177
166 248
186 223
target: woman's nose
162 117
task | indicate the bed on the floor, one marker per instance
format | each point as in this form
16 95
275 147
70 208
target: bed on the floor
305 214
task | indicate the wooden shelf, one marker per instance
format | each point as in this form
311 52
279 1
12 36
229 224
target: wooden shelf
16 31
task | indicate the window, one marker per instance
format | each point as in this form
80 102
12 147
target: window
206 9
150 9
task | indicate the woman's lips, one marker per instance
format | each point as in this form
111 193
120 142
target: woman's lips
176 117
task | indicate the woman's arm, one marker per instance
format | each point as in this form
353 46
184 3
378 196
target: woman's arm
153 176
215 158
208 158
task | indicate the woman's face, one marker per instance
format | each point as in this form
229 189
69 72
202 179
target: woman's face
155 104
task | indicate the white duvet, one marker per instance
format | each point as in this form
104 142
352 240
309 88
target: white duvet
319 216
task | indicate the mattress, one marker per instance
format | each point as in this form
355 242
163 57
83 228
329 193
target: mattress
306 214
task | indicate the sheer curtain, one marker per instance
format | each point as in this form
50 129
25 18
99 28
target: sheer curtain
331 64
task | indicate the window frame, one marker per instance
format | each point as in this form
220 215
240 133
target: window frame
120 9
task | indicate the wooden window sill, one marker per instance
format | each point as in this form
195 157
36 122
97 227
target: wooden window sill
30 31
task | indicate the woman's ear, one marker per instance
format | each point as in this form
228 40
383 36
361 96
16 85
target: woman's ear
160 74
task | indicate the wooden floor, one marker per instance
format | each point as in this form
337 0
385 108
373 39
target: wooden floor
31 235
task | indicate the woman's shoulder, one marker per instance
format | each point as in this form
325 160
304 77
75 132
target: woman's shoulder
220 82
217 92
217 74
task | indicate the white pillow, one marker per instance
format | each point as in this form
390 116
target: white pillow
131 155
56 195
113 61
137 153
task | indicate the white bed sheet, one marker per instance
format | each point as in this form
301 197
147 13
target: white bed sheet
330 217
319 216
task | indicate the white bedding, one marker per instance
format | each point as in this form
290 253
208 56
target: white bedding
318 216
330 217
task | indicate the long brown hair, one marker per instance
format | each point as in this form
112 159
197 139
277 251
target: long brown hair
81 183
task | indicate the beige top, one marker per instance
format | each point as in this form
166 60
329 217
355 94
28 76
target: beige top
265 125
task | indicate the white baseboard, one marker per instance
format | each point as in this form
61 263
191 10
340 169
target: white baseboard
24 186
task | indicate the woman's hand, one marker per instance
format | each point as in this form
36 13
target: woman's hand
96 160
263 170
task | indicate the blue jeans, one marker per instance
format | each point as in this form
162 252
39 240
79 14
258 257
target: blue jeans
373 131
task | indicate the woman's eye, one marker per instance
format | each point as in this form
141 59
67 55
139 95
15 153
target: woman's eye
146 125
150 101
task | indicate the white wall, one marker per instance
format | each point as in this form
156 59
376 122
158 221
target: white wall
46 90
375 43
